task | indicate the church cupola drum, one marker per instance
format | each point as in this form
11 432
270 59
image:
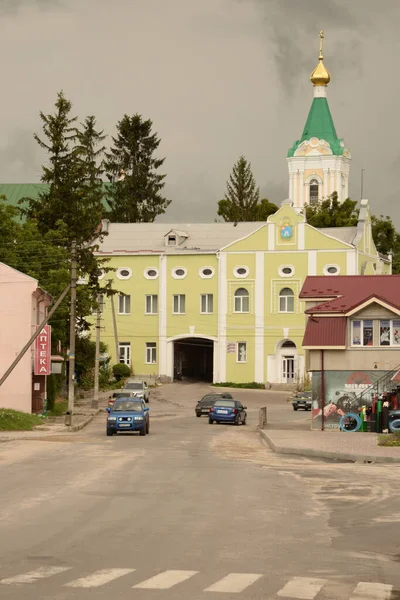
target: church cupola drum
319 163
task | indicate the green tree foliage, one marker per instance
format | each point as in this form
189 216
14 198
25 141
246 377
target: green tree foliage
120 371
85 358
135 192
332 213
242 197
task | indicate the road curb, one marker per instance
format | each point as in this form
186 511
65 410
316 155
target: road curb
327 454
79 426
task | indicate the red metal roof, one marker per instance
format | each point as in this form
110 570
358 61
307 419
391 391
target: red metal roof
325 332
350 291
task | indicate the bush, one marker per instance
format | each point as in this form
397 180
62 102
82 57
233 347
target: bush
120 371
392 439
53 387
251 385
14 420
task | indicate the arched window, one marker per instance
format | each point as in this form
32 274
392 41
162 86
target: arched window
242 300
286 301
314 190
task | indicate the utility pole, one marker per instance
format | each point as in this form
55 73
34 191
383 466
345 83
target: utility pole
115 330
72 327
95 402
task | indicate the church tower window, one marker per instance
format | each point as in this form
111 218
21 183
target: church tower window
314 191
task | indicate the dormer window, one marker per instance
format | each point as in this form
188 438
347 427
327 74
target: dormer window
172 240
175 237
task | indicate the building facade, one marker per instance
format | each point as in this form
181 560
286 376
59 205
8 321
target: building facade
220 301
352 341
23 306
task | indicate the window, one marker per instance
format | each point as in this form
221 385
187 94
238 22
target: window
241 271
179 273
179 304
384 333
331 270
152 304
151 273
101 275
286 271
314 189
242 352
286 301
206 272
206 303
172 240
124 304
151 353
125 353
124 273
242 301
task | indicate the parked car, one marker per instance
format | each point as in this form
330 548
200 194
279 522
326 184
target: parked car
128 414
302 400
228 411
139 388
203 406
121 394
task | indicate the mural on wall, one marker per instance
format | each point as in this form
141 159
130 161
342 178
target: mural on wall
342 389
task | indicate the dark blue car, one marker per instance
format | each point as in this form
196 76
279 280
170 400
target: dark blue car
128 414
228 411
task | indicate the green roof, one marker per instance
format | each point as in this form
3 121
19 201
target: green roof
16 191
320 125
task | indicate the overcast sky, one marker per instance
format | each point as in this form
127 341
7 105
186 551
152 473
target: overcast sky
218 78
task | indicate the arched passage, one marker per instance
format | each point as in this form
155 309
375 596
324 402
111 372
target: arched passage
193 359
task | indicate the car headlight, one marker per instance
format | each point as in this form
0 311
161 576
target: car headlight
112 418
138 418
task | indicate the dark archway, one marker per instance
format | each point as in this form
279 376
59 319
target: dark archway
193 359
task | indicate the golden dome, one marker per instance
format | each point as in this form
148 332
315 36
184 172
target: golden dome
320 75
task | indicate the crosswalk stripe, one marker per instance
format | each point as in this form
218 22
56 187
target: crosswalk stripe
99 578
165 580
372 591
33 576
234 583
302 588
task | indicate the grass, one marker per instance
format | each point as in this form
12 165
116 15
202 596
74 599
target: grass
60 408
14 420
251 385
391 439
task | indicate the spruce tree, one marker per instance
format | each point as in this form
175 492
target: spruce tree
241 201
134 194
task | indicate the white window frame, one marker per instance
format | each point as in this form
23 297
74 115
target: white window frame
124 298
146 273
174 274
241 275
151 353
101 276
207 303
361 344
238 358
124 277
203 276
179 302
326 272
286 297
152 302
241 299
172 239
282 274
126 347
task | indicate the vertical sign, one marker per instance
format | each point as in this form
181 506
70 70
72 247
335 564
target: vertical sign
43 352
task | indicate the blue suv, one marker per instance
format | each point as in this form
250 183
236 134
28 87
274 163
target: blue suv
128 414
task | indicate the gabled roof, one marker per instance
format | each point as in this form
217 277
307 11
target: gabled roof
324 332
320 124
344 234
343 294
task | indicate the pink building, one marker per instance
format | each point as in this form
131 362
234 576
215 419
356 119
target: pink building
23 306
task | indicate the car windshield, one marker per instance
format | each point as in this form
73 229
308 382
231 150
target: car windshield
228 403
304 395
122 395
127 406
135 385
208 399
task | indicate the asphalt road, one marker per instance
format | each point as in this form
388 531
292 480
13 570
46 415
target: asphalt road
193 511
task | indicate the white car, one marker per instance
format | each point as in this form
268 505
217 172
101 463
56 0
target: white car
138 389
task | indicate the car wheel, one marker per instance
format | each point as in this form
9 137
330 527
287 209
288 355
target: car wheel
244 421
237 421
294 407
198 415
110 431
148 427
143 431
210 421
